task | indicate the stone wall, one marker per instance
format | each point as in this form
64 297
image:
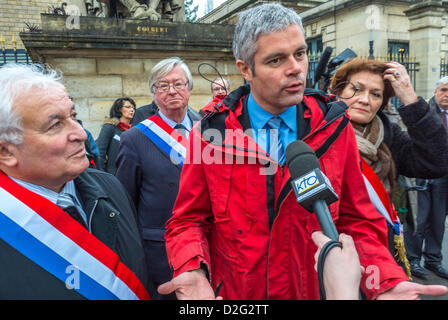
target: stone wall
14 14
105 59
354 26
94 83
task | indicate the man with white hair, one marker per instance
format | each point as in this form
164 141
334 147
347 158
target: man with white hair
432 208
66 231
150 158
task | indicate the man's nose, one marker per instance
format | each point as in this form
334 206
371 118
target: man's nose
294 66
77 132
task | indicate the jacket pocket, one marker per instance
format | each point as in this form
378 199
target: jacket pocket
219 190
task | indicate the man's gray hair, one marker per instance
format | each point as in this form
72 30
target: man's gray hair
162 68
16 81
444 80
259 20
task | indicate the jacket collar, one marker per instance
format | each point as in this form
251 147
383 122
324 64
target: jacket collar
231 114
89 190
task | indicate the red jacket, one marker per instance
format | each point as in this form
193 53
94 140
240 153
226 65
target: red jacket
221 221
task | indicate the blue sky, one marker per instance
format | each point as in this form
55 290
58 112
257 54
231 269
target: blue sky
202 4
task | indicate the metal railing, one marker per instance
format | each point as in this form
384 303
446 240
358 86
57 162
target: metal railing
443 66
13 54
410 64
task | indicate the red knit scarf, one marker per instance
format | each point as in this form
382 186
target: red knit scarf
123 126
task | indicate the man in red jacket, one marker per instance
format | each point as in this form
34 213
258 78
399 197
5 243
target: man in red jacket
236 223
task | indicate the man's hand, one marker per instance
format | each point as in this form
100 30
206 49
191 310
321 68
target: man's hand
191 285
342 270
407 290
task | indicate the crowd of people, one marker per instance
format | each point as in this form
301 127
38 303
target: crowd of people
170 203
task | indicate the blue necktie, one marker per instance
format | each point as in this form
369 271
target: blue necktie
276 151
182 130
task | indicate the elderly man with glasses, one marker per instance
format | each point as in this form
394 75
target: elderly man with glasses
150 159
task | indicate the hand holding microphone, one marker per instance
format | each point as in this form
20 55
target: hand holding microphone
314 193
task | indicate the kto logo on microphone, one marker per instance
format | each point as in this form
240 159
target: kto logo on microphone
306 182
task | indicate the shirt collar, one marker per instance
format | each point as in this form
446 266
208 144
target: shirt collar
259 116
69 188
186 122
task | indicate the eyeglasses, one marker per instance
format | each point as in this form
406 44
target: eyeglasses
349 90
165 87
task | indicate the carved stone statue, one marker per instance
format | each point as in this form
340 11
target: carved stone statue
141 10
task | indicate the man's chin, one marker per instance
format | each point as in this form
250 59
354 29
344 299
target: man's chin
294 99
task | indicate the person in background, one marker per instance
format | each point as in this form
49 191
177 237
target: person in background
432 202
220 86
120 116
145 163
387 151
144 112
92 151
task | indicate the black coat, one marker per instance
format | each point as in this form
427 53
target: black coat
144 112
108 142
100 194
422 151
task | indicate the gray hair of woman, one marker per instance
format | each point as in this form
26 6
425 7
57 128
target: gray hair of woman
259 20
18 81
164 67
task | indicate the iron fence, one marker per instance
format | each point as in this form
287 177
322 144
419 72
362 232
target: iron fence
16 56
444 67
410 63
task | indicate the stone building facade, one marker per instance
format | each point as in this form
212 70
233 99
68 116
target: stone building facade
101 66
14 14
416 28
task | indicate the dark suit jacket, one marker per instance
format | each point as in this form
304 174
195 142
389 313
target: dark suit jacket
152 181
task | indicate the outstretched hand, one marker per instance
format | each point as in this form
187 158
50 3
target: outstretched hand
191 285
407 290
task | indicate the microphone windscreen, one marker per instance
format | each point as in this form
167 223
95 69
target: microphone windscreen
322 63
300 159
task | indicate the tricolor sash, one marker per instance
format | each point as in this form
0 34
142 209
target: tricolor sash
378 194
49 237
166 138
381 200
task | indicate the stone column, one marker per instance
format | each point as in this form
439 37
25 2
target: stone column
425 28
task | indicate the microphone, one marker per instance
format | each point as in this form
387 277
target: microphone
312 188
322 64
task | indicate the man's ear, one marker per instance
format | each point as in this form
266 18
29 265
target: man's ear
245 70
7 154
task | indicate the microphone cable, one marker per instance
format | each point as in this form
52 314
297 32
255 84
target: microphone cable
320 265
211 81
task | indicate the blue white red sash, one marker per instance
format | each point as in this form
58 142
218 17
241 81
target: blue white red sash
52 239
379 196
166 138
